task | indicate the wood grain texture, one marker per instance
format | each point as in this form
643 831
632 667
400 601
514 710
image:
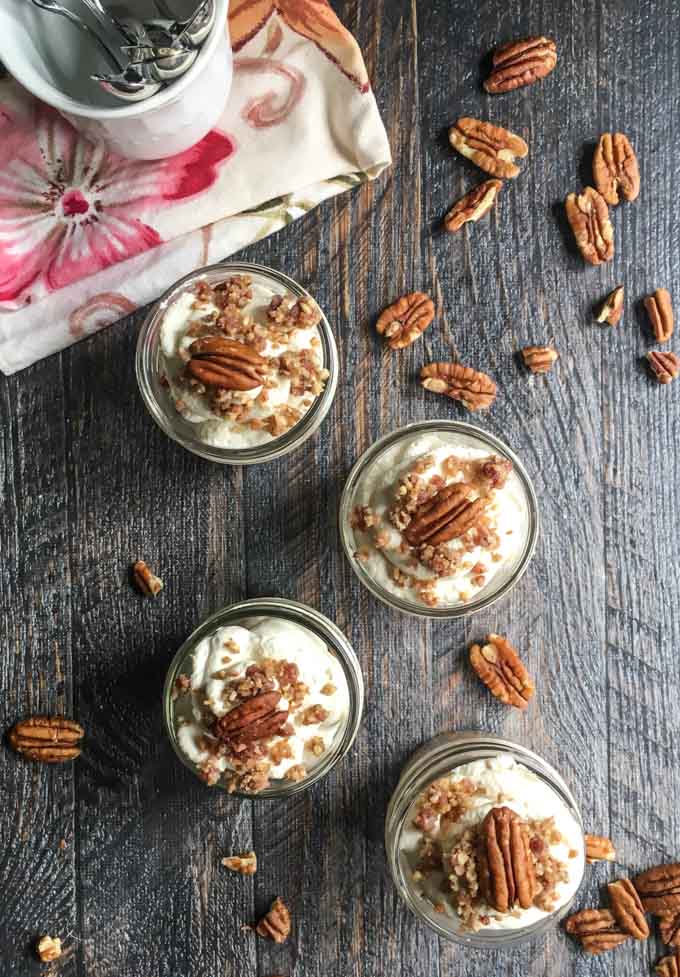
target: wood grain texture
89 484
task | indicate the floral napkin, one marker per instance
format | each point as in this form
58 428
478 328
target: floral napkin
86 237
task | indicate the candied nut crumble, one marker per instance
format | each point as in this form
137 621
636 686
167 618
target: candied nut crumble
243 864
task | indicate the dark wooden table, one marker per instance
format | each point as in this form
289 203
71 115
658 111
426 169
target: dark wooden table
89 484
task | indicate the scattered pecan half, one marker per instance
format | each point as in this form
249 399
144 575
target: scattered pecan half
521 63
255 719
489 147
506 873
627 909
243 864
473 205
446 516
588 216
669 929
659 888
276 924
660 311
539 359
225 363
669 966
48 948
596 929
666 366
615 167
611 309
406 319
51 739
599 849
474 389
500 668
145 580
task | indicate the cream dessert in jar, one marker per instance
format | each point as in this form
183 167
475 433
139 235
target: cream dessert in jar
242 359
259 702
491 846
436 517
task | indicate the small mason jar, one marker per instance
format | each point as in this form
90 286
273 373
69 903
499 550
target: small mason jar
248 612
435 759
462 435
157 397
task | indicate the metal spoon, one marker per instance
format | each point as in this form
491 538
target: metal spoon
130 85
56 8
195 28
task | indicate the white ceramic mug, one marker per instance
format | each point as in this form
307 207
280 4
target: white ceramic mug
53 65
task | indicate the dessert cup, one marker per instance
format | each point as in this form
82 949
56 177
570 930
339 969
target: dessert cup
157 397
444 755
462 437
245 614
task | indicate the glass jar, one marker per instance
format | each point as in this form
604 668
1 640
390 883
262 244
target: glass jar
247 612
439 757
463 435
159 402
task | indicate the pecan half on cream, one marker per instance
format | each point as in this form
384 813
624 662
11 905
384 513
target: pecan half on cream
588 216
276 924
50 739
539 359
406 319
660 311
659 888
473 205
668 966
474 389
500 668
489 147
669 929
445 517
243 864
627 909
611 309
255 719
521 63
665 366
506 873
599 849
596 929
615 168
225 363
145 580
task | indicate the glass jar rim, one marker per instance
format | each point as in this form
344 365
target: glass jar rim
169 422
320 626
420 770
449 612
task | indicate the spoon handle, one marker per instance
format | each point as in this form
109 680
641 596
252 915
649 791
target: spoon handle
56 8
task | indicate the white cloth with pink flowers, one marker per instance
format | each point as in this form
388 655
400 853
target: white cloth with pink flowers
87 237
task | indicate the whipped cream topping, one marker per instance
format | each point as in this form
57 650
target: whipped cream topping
231 667
498 781
410 473
279 328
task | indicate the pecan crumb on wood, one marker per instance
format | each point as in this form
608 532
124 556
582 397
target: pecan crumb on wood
276 924
611 310
146 581
660 311
521 63
615 167
243 864
491 148
50 739
48 948
500 668
599 849
474 389
474 205
406 319
539 359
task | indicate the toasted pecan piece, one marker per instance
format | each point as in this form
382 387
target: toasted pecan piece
615 167
492 148
500 668
627 909
474 389
145 580
611 310
474 205
50 739
506 872
664 364
596 929
599 849
669 928
276 924
521 63
660 311
659 888
588 217
669 966
245 864
539 359
405 320
48 948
